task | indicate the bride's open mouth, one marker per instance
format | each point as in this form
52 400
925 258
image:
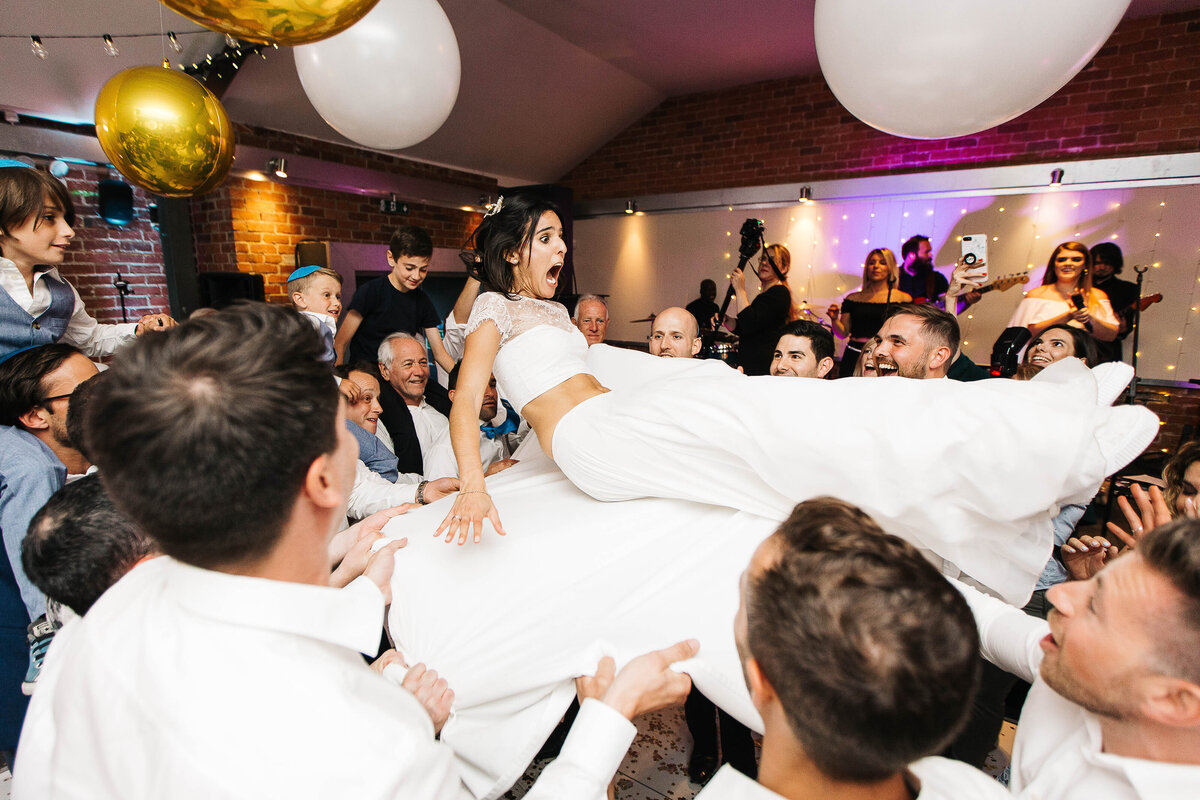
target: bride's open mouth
552 275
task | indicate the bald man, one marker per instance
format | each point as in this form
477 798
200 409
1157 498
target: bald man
673 334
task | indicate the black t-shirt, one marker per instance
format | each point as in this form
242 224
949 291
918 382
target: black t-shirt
758 329
929 284
703 310
386 310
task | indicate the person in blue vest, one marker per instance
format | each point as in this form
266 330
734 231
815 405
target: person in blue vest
36 305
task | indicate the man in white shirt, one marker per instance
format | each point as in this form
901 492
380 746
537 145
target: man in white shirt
1114 711
404 364
860 659
228 667
591 317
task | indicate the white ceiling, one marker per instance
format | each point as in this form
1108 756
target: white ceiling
544 82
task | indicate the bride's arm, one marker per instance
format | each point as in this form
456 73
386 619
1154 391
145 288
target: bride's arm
473 503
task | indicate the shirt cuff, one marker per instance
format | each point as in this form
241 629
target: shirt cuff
599 739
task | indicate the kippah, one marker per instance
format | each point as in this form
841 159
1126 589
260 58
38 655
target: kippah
12 162
9 355
303 272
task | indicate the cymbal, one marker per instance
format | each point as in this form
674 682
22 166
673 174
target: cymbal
647 319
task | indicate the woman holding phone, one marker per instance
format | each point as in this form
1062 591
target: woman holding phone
1067 297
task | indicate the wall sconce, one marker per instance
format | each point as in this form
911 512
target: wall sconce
630 206
278 166
1056 176
805 194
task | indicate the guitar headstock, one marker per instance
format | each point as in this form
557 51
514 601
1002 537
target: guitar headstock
1006 282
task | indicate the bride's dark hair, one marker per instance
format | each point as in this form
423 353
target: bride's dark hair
501 234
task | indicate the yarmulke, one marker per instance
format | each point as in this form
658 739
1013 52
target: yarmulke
303 272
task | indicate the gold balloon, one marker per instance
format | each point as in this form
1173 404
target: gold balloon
164 131
289 22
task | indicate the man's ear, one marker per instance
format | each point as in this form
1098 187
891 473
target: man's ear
320 484
696 345
35 419
299 302
391 259
761 690
384 372
1172 701
824 366
450 394
940 358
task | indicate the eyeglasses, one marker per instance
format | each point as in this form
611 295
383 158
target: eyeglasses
46 400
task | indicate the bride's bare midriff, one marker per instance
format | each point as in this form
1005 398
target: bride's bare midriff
545 410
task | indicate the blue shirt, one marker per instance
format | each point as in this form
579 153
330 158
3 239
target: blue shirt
29 474
373 453
1064 525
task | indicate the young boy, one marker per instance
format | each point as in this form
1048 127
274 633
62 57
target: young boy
36 305
316 292
394 302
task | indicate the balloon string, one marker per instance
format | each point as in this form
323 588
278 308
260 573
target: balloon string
162 38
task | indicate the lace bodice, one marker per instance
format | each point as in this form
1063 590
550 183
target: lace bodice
539 345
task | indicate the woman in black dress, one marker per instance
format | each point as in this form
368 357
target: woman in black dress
861 314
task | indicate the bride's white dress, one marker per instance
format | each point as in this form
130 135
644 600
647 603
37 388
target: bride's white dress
972 472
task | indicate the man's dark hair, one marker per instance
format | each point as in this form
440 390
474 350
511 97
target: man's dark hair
910 247
708 284
1110 254
204 433
817 334
411 240
938 327
21 377
1173 550
79 544
874 655
344 370
77 414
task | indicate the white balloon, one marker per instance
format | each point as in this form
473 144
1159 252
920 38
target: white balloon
932 69
390 80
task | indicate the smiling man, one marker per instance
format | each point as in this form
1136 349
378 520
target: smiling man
1114 711
804 350
916 341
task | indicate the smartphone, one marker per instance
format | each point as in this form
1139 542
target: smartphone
1078 299
974 251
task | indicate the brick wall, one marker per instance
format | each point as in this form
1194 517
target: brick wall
1139 96
254 226
100 249
1178 410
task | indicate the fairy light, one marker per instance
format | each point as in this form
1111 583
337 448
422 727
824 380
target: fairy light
110 46
173 41
37 48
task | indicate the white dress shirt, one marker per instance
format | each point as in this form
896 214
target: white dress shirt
372 492
1058 753
92 338
433 430
187 683
939 779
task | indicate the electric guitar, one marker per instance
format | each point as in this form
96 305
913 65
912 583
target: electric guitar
1000 284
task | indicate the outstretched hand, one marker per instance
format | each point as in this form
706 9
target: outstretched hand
1152 512
1084 556
466 517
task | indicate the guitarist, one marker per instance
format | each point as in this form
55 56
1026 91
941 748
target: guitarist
1107 263
922 281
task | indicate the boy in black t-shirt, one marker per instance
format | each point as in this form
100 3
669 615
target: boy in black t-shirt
393 302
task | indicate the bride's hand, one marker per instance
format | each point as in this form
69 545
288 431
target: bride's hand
467 515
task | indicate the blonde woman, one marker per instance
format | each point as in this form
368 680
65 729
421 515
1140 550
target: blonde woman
861 314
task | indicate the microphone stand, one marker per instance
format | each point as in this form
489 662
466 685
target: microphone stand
1140 269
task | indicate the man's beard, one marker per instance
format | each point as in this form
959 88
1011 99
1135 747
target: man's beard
917 370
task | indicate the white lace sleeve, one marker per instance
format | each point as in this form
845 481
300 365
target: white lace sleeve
495 307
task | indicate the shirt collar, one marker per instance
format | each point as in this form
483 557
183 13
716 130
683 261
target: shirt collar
1152 780
351 617
729 784
7 265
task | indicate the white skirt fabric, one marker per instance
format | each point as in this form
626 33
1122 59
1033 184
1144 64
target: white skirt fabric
971 472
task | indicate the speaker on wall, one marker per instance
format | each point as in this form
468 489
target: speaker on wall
114 200
219 289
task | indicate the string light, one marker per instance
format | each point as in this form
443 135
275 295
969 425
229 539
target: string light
110 46
174 42
36 46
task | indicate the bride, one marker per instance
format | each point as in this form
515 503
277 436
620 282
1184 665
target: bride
971 473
